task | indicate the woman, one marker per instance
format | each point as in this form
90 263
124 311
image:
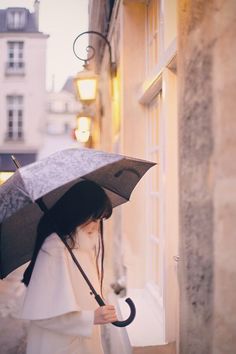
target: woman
64 317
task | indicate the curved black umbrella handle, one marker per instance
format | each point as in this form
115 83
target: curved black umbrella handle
129 319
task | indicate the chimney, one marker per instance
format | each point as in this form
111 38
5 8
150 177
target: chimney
36 12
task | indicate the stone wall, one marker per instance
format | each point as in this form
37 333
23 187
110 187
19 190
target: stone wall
13 331
207 135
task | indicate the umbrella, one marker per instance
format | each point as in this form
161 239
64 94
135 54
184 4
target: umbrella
44 182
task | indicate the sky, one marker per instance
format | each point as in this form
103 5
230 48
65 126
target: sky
63 20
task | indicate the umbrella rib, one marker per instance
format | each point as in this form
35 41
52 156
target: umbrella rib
110 189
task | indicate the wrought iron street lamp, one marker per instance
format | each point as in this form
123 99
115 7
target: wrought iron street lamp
86 80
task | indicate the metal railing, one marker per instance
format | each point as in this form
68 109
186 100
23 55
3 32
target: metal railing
15 68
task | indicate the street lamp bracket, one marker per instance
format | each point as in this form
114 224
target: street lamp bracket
91 49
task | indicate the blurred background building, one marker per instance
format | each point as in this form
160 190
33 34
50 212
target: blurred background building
62 108
22 86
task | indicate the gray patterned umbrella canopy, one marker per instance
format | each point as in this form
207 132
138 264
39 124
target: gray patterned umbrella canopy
50 178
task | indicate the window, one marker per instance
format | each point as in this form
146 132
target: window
58 106
14 117
153 33
15 56
16 19
155 235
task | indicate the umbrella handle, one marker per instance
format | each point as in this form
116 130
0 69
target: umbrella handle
129 319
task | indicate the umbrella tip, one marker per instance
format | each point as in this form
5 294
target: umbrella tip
16 163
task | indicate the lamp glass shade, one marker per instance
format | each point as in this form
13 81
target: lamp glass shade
82 136
86 85
83 123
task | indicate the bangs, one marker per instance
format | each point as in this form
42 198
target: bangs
105 211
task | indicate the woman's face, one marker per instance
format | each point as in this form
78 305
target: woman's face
91 227
87 234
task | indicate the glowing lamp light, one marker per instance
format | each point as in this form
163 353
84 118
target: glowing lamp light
84 123
82 136
86 86
82 133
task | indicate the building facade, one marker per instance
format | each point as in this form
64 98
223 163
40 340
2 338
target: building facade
22 85
61 120
207 149
173 245
137 114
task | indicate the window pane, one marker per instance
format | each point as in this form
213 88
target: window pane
155 216
15 117
155 178
155 262
154 122
19 99
153 25
155 237
15 54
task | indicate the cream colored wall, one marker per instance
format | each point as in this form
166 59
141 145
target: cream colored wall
133 137
57 117
123 126
31 86
129 28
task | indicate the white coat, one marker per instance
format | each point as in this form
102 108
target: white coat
58 303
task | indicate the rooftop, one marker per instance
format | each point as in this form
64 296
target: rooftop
17 19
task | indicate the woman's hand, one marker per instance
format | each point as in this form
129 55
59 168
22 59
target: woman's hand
105 314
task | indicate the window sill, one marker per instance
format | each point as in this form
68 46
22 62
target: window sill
15 73
152 85
14 141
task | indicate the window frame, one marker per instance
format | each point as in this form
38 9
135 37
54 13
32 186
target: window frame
16 19
153 34
154 281
15 55
15 117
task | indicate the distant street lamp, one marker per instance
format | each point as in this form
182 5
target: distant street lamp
83 130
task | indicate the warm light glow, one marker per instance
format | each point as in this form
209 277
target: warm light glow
84 123
86 85
82 133
87 89
116 105
82 136
4 176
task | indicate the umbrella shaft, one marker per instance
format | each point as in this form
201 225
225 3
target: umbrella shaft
80 268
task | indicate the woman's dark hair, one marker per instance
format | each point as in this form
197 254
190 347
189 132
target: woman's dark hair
85 201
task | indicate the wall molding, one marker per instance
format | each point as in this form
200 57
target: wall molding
153 84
